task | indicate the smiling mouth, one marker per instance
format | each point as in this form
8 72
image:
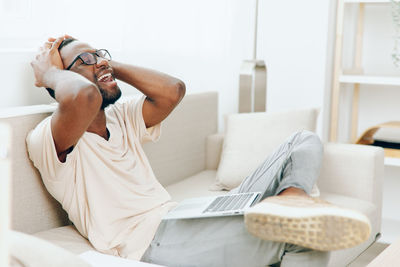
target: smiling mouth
105 78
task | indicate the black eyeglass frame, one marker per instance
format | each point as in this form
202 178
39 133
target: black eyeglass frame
95 54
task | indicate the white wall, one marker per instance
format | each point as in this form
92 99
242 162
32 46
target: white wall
26 24
201 42
295 42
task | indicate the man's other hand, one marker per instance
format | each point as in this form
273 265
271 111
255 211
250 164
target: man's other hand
47 59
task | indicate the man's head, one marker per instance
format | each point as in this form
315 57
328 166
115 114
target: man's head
93 64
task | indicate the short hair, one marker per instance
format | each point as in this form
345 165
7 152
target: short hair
66 42
63 43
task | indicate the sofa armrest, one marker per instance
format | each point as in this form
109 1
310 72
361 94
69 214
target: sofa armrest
354 171
214 145
347 169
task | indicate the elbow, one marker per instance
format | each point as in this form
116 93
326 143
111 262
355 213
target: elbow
87 97
178 91
90 96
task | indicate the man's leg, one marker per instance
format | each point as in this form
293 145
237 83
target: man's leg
292 170
295 163
224 241
293 216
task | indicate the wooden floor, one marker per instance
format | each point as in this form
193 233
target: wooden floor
369 255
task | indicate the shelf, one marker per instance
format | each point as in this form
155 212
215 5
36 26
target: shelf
370 79
368 1
392 162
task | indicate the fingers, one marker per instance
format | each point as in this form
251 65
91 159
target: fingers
65 36
57 43
54 43
47 45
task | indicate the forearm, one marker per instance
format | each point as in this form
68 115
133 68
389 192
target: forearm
69 85
155 85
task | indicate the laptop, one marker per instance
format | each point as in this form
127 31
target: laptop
215 206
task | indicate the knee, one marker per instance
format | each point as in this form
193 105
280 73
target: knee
307 136
310 139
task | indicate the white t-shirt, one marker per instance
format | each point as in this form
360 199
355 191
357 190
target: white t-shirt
107 187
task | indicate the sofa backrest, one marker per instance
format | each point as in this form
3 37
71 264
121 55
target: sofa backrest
179 153
181 150
32 208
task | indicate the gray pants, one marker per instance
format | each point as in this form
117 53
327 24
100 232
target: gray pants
224 241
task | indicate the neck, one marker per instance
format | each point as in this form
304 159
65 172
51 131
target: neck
98 125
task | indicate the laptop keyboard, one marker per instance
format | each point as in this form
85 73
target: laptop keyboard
229 202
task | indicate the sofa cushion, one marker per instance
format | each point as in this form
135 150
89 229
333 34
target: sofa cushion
181 150
194 186
66 237
27 250
251 137
198 186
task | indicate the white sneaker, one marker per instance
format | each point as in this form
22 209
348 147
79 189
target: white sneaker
307 222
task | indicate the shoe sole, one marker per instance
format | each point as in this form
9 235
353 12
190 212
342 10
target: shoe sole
315 228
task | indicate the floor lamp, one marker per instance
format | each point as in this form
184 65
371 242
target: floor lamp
253 79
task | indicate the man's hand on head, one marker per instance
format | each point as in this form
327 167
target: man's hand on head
47 59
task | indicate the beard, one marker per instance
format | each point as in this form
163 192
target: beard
110 96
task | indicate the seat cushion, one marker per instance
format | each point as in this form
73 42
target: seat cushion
66 237
198 185
194 186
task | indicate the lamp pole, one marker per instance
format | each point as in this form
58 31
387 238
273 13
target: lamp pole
253 79
255 31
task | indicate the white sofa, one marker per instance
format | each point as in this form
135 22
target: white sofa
185 160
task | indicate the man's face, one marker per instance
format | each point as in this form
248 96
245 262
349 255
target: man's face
95 73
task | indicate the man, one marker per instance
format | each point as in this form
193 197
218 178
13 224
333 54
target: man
91 160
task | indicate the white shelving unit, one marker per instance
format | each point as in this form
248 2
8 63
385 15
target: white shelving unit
370 79
392 162
368 1
355 75
354 78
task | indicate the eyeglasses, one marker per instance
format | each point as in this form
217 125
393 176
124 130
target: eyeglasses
89 58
